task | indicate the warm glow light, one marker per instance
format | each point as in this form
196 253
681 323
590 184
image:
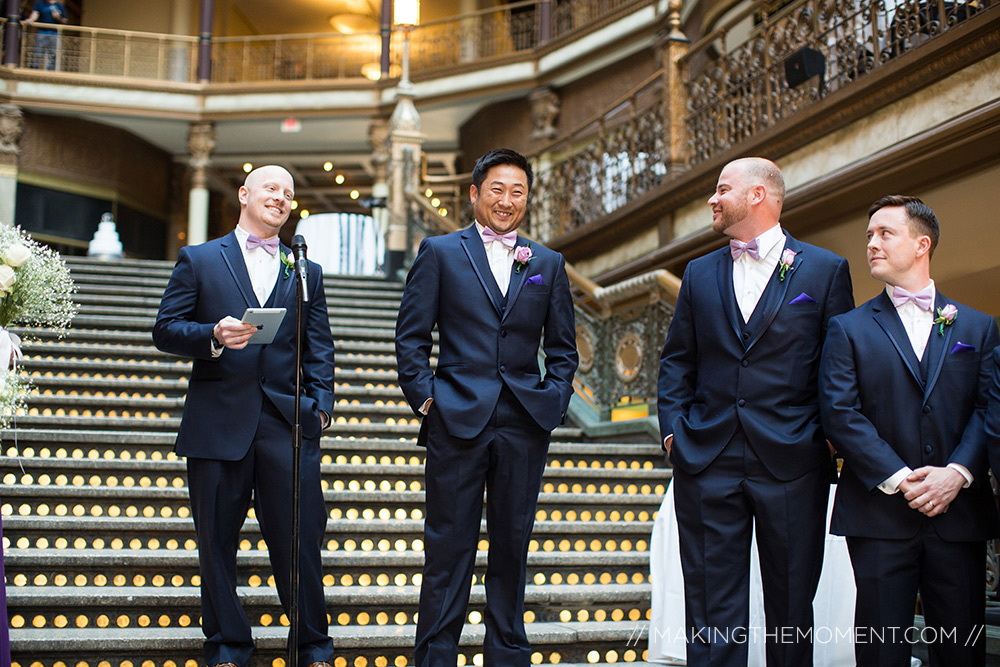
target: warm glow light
339 179
406 12
355 194
304 214
443 211
435 202
428 192
295 204
247 167
327 166
372 71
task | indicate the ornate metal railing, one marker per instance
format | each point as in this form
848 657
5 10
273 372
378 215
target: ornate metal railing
602 165
108 53
620 328
738 90
295 57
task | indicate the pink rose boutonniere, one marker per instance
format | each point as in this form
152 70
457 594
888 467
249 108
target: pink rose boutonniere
522 255
787 259
946 316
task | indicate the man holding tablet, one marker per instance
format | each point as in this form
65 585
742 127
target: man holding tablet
236 430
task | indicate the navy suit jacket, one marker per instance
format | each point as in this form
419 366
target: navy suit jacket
717 373
482 345
225 393
993 416
881 415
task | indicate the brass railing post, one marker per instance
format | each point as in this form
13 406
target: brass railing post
673 46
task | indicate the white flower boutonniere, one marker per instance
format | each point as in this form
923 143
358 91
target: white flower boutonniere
286 259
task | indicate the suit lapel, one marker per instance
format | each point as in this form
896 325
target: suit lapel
888 319
473 246
774 294
233 257
937 347
282 292
724 273
516 279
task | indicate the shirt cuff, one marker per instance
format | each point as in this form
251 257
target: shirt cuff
216 349
324 418
964 472
891 485
426 406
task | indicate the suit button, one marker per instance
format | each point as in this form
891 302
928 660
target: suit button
263 380
503 369
927 409
741 402
745 363
928 449
746 335
503 333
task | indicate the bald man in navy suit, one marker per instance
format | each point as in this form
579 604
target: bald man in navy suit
739 414
236 430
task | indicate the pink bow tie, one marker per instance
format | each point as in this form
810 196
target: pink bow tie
738 248
509 239
924 299
270 245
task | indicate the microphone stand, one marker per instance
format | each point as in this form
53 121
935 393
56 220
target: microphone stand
293 619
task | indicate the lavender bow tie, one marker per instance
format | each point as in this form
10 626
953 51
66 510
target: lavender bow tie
489 236
737 248
270 245
924 299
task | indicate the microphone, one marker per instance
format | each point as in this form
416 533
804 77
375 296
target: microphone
301 266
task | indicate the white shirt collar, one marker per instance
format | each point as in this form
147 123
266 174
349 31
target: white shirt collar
889 290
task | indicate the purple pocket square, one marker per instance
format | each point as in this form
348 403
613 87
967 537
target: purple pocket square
962 347
802 298
535 280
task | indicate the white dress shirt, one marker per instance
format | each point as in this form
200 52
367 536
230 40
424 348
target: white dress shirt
501 259
918 324
751 276
262 266
263 269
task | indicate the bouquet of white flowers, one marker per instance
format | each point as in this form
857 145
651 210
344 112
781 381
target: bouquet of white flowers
36 290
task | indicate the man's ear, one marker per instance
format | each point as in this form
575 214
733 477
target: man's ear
473 193
242 194
923 245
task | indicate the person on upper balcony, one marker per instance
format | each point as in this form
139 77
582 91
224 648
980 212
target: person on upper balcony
46 52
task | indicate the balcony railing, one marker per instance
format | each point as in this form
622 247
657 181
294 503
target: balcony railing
602 165
294 57
108 53
738 90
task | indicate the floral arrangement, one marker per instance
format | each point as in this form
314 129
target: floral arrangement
36 290
287 260
945 317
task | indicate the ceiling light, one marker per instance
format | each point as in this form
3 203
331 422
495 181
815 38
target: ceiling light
339 179
355 194
247 167
328 166
304 214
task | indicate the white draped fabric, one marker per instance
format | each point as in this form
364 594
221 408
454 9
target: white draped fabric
833 606
343 243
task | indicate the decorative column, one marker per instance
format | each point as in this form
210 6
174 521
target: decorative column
11 125
205 41
378 139
201 143
672 45
179 63
12 34
405 141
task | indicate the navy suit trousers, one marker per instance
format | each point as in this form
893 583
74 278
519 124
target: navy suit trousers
716 513
951 579
221 493
507 460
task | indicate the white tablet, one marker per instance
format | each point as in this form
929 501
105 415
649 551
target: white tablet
267 321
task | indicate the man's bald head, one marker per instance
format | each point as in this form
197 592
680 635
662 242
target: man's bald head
266 200
748 198
262 174
761 171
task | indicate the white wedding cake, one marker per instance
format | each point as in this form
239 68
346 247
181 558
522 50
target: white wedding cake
105 244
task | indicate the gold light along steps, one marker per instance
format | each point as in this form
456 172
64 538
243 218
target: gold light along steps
102 567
